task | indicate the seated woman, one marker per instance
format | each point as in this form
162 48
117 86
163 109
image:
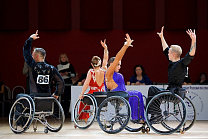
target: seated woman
202 79
94 80
114 81
139 77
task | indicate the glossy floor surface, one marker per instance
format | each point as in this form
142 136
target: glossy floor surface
199 130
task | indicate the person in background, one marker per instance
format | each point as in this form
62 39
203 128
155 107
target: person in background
67 72
202 79
139 77
1 86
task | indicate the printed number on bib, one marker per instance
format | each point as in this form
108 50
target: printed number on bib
43 79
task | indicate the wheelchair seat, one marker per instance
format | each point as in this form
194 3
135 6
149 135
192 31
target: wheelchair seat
118 93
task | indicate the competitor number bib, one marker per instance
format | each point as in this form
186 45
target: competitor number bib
43 79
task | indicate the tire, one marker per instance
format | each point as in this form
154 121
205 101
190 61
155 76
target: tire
191 114
134 126
113 114
88 102
166 113
55 118
21 114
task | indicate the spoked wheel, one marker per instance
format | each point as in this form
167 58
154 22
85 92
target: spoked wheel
53 115
113 114
134 126
21 114
85 112
166 113
191 115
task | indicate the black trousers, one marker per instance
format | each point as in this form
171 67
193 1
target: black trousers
153 90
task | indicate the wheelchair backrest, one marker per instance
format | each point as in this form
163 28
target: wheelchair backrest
44 104
100 97
179 91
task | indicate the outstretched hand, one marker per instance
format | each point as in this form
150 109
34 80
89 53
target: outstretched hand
103 43
35 36
128 40
191 34
160 34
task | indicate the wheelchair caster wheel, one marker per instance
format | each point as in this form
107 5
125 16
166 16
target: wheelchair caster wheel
46 131
143 130
75 126
147 130
182 131
35 129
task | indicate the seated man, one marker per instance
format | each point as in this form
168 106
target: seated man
42 74
177 68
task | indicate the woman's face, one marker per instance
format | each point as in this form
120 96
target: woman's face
118 67
63 58
138 71
203 77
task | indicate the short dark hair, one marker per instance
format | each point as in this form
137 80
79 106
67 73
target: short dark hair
40 51
204 75
143 70
110 61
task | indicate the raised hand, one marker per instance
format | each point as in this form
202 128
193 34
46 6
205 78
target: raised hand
191 34
35 36
160 34
128 40
103 44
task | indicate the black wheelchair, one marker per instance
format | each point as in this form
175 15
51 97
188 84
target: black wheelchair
166 113
27 110
170 112
111 109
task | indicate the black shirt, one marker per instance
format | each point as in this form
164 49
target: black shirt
177 70
42 74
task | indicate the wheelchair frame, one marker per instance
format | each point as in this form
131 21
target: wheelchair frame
18 116
105 97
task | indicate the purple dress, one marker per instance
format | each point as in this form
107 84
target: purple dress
133 101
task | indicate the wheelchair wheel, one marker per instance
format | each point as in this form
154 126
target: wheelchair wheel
191 114
166 113
21 114
113 114
54 119
134 126
85 112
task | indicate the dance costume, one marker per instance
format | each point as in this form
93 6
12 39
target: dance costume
94 87
133 101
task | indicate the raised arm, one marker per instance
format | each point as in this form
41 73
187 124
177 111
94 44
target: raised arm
86 84
193 41
27 49
160 34
119 56
105 55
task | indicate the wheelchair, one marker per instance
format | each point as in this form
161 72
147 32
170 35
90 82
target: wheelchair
27 110
170 112
111 109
